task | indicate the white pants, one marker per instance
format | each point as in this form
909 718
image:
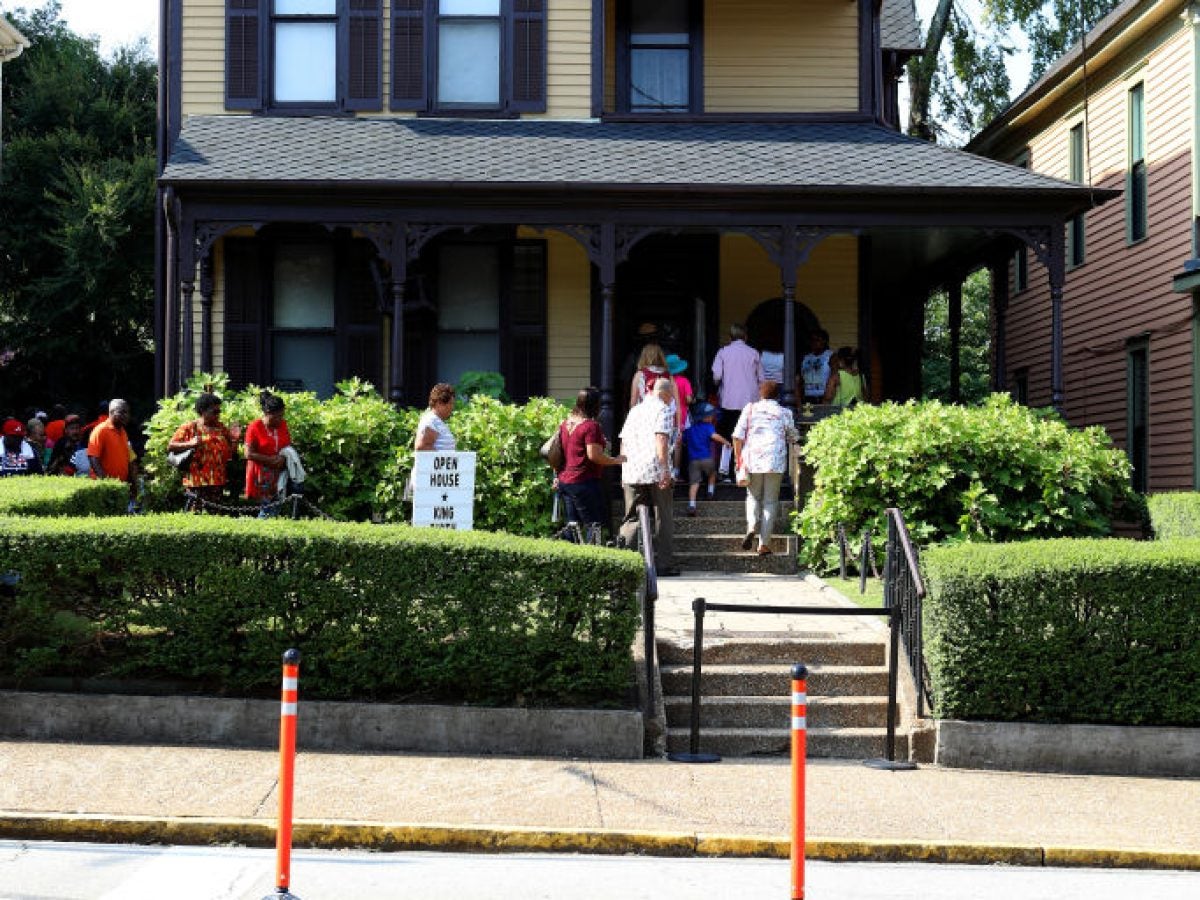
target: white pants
762 504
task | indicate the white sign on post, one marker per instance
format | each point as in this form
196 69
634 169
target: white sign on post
444 490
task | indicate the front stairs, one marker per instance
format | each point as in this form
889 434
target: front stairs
746 689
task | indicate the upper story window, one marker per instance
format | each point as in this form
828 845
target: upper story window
304 41
453 56
1075 226
327 55
321 55
659 60
1135 179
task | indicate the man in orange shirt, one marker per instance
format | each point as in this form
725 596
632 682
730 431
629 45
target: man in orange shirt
108 449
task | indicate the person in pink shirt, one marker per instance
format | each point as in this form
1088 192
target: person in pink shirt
683 402
737 370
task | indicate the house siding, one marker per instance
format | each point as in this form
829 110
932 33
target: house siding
775 56
1121 291
827 284
568 314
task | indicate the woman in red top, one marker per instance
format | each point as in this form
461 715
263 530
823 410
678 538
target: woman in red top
584 447
212 445
265 438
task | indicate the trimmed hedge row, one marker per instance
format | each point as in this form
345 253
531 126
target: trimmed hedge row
48 495
1175 515
1096 631
379 611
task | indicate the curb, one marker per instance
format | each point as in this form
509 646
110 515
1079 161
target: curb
500 839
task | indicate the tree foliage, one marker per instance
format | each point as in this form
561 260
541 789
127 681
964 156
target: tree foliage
77 235
974 343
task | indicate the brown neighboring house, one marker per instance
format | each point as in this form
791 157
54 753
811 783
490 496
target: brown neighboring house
1129 323
407 189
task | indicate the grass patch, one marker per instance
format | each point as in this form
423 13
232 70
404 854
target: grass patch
848 588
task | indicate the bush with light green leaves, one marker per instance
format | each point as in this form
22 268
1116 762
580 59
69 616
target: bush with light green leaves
995 472
1174 515
380 612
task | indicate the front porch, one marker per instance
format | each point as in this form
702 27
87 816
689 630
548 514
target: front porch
569 236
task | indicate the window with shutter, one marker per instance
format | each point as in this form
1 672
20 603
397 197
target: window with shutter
476 55
304 54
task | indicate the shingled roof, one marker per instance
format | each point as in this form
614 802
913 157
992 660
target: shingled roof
824 157
898 26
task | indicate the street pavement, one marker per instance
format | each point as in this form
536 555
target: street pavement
738 807
49 871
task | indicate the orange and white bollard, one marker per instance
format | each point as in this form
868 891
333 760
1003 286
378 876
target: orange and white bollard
799 759
287 772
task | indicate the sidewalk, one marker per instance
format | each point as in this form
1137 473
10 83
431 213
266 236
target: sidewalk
736 807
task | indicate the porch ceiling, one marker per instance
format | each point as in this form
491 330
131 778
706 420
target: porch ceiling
804 167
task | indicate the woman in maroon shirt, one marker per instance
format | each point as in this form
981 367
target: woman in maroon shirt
584 447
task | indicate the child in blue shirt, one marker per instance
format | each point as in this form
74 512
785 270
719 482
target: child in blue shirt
699 440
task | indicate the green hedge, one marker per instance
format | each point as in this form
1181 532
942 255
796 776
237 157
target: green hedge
1175 515
996 472
1099 631
49 495
379 611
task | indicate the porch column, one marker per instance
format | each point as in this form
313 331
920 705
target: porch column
954 295
788 261
1057 269
187 286
206 310
188 357
166 364
999 270
399 267
608 280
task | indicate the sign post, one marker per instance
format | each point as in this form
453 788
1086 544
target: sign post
444 490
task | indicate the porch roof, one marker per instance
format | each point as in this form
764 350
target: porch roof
827 160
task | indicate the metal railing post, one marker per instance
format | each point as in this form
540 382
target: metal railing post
841 539
699 606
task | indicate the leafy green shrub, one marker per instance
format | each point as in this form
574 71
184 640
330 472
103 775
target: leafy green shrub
347 442
380 612
513 484
1174 515
997 472
490 384
1100 631
38 495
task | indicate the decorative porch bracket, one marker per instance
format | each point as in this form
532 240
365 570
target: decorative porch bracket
1048 243
789 247
607 245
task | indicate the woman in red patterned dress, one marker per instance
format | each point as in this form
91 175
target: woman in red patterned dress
212 444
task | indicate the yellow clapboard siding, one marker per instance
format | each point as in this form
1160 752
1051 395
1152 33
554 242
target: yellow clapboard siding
827 284
780 55
203 57
568 314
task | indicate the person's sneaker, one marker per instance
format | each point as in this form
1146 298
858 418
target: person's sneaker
748 541
692 510
764 550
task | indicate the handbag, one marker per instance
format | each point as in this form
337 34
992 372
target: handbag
552 450
181 459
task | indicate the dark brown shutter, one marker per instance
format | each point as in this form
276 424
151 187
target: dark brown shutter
525 346
364 338
528 56
408 55
243 44
243 312
364 89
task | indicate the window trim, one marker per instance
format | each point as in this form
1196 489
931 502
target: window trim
695 64
1132 165
1076 237
1020 386
1135 346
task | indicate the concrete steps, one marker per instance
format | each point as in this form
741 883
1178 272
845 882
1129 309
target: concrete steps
823 743
722 544
774 679
777 564
774 712
772 650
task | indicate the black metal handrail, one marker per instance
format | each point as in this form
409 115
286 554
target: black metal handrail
903 591
649 596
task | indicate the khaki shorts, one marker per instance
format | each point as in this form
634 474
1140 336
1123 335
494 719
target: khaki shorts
698 469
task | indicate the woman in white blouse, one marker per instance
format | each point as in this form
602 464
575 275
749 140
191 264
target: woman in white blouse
760 442
432 431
